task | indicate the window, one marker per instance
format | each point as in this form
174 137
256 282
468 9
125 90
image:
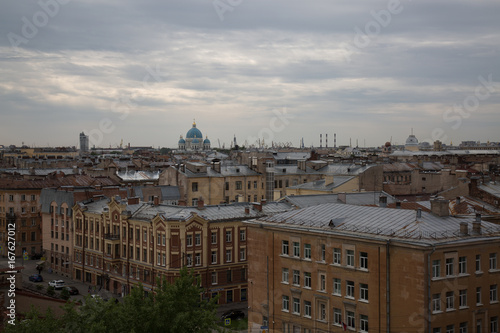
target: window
197 259
296 249
436 268
478 296
229 275
214 257
145 236
322 282
350 258
284 247
243 236
197 239
462 298
285 303
238 185
229 296
296 277
436 302
462 328
323 252
189 259
449 266
307 279
214 277
493 293
243 254
307 309
336 256
350 289
450 329
194 187
462 265
478 263
228 256
189 240
284 275
494 324
363 260
229 236
350 320
450 300
337 316
493 261
307 251
363 292
214 237
337 287
296 306
322 311
363 323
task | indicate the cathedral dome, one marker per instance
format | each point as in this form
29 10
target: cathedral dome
206 141
411 141
194 133
181 140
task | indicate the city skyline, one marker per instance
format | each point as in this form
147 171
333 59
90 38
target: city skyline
281 71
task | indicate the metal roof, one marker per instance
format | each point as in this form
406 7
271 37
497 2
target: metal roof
358 198
319 185
378 222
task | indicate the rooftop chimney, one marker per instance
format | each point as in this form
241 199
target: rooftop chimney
156 200
398 204
419 213
440 206
201 203
247 210
464 230
382 201
133 200
476 225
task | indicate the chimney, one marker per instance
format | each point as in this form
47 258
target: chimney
133 200
182 202
464 230
398 204
342 197
476 225
201 203
440 206
382 201
301 164
156 200
247 210
458 201
419 213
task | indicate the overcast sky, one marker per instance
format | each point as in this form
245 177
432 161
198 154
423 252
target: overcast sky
280 70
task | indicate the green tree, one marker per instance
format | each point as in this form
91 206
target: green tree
173 307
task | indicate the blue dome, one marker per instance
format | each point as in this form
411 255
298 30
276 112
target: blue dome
206 141
182 140
194 133
195 141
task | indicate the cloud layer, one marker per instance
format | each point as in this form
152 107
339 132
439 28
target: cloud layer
366 71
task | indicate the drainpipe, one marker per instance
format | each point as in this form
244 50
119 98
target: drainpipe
429 311
388 283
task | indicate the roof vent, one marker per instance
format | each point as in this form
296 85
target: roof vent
331 224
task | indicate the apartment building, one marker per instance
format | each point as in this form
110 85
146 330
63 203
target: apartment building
336 267
119 243
215 183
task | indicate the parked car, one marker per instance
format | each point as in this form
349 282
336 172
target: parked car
233 314
57 284
72 290
36 278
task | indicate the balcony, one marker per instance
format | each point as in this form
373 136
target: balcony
112 236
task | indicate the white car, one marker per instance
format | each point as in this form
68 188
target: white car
57 284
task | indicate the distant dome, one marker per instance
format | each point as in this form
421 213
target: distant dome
411 141
181 140
387 144
206 140
194 133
